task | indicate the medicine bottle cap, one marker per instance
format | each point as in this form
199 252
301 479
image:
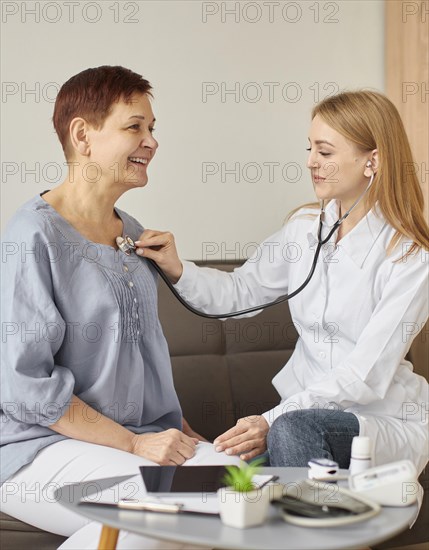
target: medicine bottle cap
361 447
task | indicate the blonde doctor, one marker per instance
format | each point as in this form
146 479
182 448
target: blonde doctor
369 286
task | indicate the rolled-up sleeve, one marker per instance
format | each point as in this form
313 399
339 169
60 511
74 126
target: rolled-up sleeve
34 389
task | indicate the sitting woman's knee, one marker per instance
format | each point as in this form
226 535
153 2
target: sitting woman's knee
289 437
298 436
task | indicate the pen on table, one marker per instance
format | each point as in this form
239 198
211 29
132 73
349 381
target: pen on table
134 504
141 506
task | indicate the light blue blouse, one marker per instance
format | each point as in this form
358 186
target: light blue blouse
77 318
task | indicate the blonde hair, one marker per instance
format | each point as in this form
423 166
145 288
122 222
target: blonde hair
371 121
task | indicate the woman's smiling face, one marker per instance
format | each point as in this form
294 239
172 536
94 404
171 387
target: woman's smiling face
338 166
123 147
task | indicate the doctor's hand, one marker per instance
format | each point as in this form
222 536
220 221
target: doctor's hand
160 247
169 448
248 438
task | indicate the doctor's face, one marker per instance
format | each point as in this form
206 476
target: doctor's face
337 165
123 148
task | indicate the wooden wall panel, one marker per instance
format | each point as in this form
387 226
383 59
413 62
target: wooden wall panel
407 75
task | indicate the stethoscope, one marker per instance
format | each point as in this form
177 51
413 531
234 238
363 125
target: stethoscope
127 246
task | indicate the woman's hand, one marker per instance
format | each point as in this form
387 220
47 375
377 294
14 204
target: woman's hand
248 438
160 247
169 448
190 432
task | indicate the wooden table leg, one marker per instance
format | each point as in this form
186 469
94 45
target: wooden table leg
108 538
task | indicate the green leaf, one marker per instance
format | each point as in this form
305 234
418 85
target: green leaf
240 477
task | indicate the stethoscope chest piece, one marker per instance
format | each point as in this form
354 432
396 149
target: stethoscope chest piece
125 245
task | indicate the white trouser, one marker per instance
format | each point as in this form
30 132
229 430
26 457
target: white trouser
28 495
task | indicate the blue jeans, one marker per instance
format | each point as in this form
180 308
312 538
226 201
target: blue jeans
297 436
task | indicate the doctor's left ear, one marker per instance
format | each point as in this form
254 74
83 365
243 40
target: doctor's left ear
371 165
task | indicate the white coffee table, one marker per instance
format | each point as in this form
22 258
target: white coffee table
209 531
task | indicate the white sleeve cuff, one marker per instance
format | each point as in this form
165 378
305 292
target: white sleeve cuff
187 279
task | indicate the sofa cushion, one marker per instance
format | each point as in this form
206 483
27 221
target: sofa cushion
203 385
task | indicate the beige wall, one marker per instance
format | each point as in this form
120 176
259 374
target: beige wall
279 57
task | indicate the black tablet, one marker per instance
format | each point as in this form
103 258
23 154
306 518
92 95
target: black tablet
183 479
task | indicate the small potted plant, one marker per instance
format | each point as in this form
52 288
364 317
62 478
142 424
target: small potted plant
242 503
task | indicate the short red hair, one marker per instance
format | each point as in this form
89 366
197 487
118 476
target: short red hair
90 94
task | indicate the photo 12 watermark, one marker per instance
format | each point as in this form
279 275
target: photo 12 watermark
71 332
416 9
50 412
250 332
52 492
267 92
419 169
415 412
411 330
29 92
233 12
271 251
72 252
282 335
54 172
290 252
70 12
415 90
251 172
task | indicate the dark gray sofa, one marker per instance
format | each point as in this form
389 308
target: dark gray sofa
223 371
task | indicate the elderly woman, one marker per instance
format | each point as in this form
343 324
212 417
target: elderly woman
87 387
348 374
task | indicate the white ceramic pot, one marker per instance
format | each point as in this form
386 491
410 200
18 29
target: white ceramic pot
243 509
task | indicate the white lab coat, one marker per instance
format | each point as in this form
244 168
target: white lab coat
356 320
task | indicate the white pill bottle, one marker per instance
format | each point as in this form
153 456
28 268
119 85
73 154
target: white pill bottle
360 459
